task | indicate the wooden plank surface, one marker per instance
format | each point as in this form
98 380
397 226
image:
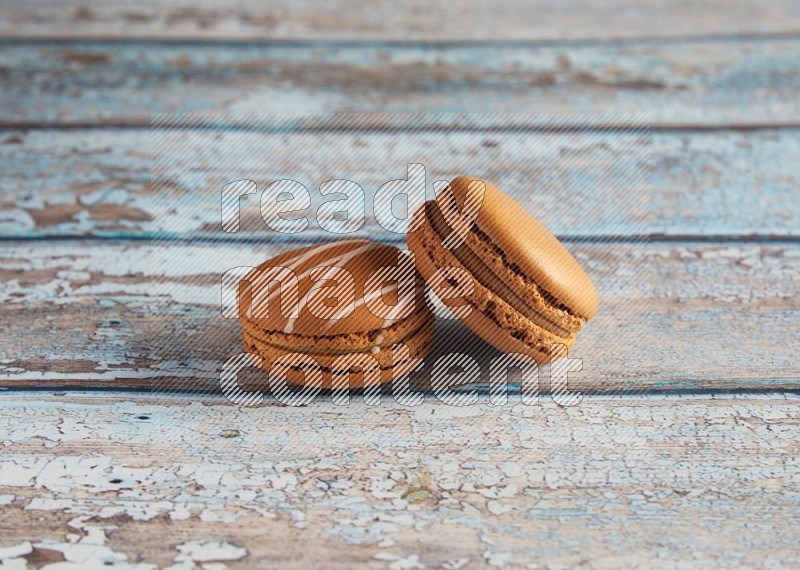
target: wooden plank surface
682 83
97 181
673 316
434 21
625 482
143 479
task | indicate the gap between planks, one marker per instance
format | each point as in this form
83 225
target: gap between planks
194 41
510 20
139 125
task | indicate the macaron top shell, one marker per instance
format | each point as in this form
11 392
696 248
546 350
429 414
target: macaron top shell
527 244
324 309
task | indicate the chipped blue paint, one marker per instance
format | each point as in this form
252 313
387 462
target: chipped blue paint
680 82
703 184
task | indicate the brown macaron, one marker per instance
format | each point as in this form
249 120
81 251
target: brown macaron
350 311
528 294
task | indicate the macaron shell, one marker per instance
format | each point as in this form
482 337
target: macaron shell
360 258
529 245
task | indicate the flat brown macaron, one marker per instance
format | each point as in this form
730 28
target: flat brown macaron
529 295
351 311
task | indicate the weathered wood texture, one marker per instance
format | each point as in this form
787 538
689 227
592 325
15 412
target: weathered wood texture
144 480
613 483
673 316
680 83
96 181
435 21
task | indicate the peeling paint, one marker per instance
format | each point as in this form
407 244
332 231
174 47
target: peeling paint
507 485
127 313
207 551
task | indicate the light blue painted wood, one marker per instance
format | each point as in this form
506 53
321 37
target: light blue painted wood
695 83
682 316
702 184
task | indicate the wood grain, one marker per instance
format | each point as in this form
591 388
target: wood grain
615 482
702 83
153 478
435 21
97 182
674 316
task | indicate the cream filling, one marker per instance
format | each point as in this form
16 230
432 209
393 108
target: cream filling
487 278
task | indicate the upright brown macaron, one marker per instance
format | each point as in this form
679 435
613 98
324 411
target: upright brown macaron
351 310
529 295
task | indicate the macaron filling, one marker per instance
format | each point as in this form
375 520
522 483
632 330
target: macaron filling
486 277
